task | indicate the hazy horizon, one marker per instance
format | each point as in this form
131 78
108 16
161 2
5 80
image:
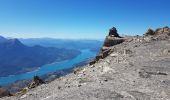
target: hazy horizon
59 38
85 19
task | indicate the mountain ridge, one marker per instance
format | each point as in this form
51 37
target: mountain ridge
23 58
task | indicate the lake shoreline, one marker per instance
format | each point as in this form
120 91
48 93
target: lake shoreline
69 64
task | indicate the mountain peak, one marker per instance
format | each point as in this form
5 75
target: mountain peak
10 41
2 39
15 42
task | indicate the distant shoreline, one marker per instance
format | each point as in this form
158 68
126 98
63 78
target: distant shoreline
49 68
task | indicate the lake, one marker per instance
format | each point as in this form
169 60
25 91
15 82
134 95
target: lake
85 54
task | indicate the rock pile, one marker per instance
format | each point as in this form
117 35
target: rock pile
160 31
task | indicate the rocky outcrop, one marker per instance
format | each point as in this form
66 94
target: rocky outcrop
160 31
113 32
36 82
112 39
4 92
150 32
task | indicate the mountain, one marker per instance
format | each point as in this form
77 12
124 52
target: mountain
127 68
93 45
2 39
16 57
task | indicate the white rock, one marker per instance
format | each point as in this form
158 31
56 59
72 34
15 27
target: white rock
106 69
22 97
114 54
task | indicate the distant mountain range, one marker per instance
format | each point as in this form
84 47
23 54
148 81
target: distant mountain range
16 57
80 44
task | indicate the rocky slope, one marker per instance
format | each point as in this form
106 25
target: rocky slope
137 69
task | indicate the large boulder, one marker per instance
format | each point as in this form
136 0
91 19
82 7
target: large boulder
150 32
4 92
113 32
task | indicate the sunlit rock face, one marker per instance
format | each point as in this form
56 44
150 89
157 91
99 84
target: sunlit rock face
113 38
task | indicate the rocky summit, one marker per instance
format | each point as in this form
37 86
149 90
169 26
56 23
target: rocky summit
134 68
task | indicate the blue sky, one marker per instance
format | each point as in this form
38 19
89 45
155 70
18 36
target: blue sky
89 19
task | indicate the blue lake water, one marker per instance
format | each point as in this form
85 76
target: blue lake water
85 54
